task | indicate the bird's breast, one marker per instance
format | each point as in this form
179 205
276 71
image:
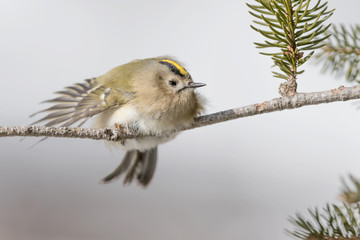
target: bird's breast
128 116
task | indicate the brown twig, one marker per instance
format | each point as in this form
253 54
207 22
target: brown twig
277 104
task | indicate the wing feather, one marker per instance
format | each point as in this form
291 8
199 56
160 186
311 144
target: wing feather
80 102
55 108
70 94
77 89
55 115
61 99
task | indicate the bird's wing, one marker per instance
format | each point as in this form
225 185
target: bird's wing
80 102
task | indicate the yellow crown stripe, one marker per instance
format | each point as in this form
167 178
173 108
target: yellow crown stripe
178 66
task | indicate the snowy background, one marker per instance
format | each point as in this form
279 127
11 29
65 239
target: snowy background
235 180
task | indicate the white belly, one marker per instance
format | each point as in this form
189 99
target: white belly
127 116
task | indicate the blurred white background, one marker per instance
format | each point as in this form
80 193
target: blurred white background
234 180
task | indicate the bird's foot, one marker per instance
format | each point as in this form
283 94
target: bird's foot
120 128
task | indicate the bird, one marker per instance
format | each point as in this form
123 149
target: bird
151 96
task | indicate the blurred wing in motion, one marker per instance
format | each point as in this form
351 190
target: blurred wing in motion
78 102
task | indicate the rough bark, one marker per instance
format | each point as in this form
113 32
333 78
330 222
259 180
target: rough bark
277 104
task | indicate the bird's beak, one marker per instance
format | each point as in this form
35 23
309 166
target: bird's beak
192 85
195 85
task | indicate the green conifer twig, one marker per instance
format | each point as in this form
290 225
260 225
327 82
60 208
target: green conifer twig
341 54
293 27
331 222
350 194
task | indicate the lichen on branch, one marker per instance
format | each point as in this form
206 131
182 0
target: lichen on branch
277 104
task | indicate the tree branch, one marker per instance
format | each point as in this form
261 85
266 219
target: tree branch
277 104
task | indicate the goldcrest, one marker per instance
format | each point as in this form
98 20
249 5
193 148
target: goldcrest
152 96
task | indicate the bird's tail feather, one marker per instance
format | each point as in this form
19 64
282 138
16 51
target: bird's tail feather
136 163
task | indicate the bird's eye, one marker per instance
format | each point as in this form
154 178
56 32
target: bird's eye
172 83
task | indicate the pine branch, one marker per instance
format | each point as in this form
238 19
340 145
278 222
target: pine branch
330 223
293 27
341 54
333 221
350 194
277 104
